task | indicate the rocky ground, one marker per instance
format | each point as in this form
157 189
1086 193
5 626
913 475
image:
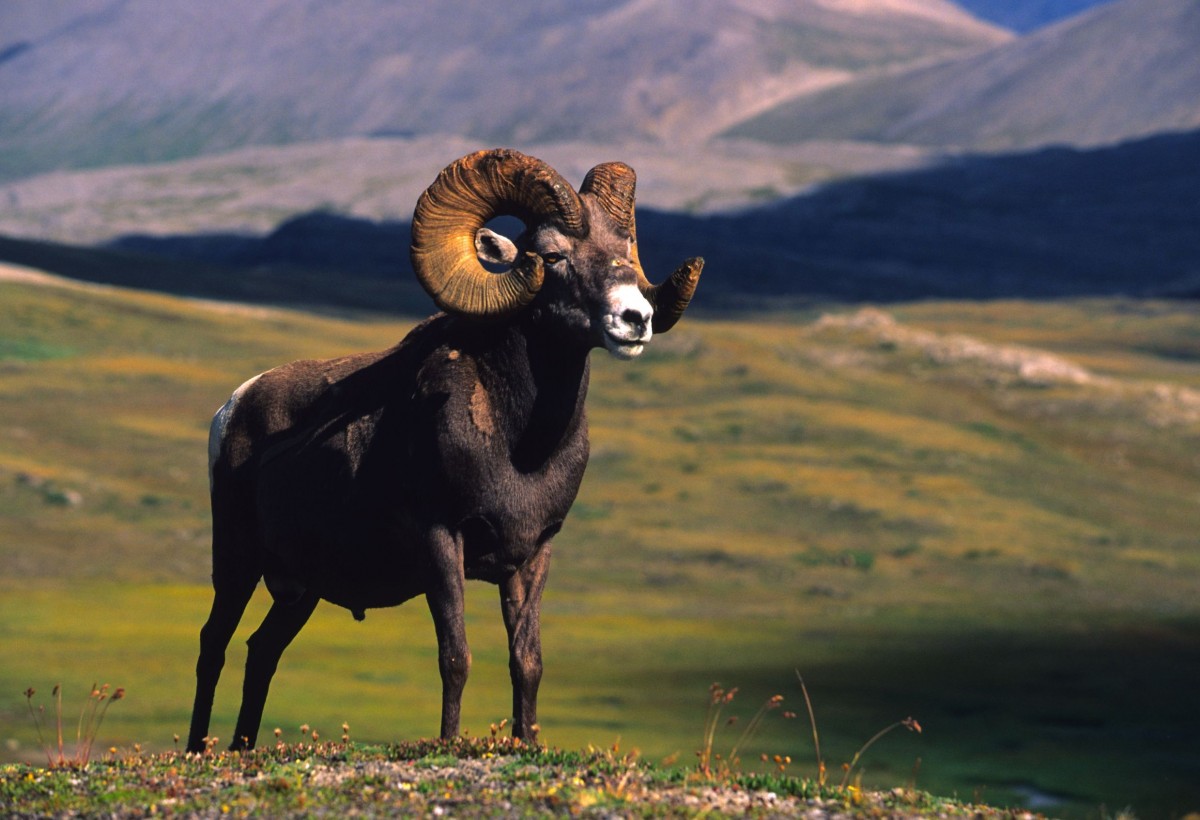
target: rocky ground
466 778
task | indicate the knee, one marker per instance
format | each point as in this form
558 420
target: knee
455 666
212 641
210 664
526 667
262 656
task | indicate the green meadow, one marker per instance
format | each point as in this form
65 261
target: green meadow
982 515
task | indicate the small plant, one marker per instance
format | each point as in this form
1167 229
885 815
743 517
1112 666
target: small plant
90 718
908 723
712 765
718 699
812 721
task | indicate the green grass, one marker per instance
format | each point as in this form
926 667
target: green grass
1012 563
487 777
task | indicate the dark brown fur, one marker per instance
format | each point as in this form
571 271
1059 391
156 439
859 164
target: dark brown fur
372 479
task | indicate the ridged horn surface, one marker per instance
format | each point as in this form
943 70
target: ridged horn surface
671 298
613 185
464 197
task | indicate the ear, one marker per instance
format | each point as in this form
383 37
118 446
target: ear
494 248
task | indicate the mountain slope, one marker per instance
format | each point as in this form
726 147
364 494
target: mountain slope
1122 70
140 80
1052 223
251 190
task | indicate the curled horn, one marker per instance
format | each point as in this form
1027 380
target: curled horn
465 195
612 184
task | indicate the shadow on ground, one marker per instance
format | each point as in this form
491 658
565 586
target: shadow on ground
1074 723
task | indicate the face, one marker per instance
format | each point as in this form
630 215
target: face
590 291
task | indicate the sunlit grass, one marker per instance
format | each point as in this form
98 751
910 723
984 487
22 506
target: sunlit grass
763 495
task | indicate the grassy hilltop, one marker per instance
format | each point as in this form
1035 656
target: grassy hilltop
982 515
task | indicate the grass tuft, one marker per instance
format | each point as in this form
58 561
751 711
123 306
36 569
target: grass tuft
484 777
91 716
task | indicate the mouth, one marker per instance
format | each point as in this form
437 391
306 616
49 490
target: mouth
626 324
623 348
623 339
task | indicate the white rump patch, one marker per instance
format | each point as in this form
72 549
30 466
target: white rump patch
220 423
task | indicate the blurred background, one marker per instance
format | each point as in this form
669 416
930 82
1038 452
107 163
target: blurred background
928 436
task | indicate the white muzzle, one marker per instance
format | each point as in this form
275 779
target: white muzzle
627 322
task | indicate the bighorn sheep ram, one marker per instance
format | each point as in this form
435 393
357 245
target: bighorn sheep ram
374 478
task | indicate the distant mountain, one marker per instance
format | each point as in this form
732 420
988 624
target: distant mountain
1027 15
252 190
1052 223
98 82
1122 70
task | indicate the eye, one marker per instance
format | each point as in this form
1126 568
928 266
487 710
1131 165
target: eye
552 258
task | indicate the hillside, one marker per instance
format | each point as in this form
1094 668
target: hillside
134 81
1050 223
976 514
1026 15
252 190
1122 70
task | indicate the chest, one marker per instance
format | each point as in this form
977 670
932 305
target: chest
509 459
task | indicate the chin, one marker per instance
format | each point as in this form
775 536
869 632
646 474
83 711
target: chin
623 350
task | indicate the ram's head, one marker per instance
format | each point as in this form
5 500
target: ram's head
575 267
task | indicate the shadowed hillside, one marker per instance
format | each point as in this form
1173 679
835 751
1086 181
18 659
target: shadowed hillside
1058 222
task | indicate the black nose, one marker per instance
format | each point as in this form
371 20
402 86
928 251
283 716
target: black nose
634 317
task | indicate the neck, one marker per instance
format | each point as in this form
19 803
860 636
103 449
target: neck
551 407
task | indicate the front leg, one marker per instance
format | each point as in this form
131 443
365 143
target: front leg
521 602
445 599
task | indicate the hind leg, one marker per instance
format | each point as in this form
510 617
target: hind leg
229 602
283 622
